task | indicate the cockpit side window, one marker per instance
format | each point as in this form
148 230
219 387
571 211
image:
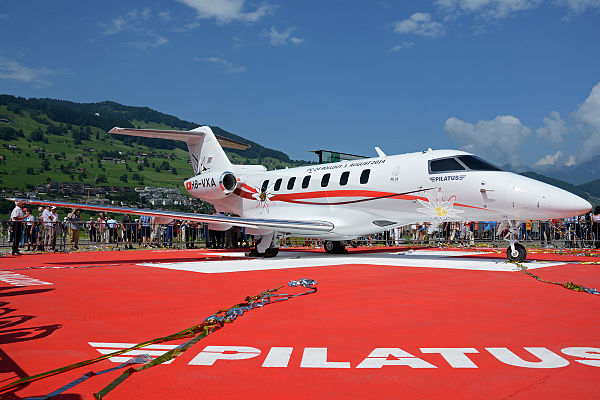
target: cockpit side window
448 164
477 164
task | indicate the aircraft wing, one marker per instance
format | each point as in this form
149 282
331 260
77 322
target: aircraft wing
291 226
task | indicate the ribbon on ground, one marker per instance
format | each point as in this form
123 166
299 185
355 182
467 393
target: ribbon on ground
566 285
209 325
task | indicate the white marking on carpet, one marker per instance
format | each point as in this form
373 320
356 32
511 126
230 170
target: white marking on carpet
418 259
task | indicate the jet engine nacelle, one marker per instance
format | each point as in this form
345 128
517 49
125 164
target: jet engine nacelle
212 186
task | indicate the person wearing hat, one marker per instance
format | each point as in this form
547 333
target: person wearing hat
16 218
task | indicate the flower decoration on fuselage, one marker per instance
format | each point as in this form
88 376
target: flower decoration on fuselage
438 209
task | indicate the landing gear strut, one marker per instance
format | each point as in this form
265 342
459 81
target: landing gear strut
267 246
334 247
515 252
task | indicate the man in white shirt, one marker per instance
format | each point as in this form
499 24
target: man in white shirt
16 218
49 220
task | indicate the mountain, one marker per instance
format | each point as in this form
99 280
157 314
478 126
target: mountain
578 190
579 173
43 140
106 115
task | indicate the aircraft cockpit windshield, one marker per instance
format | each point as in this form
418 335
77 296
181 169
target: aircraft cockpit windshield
460 163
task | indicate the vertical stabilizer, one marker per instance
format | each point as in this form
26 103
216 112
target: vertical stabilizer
206 152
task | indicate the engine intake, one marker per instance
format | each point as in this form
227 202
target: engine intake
212 186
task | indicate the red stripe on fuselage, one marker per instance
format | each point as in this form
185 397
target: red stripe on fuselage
299 198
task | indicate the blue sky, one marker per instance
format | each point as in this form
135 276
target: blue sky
515 81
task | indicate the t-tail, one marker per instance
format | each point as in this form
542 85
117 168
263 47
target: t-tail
206 148
215 177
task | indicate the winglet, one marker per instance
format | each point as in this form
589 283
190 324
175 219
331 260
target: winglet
380 152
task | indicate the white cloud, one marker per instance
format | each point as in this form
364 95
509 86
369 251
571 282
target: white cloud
554 129
229 66
15 71
134 20
549 159
578 6
419 24
225 11
571 161
165 16
143 24
491 9
500 139
588 114
404 45
282 38
149 44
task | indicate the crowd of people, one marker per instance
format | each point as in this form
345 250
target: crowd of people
47 232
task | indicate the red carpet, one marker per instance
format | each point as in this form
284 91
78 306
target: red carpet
486 321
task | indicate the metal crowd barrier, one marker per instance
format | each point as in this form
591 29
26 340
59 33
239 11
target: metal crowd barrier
565 234
121 236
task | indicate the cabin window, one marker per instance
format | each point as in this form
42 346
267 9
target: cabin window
445 165
344 178
325 180
277 185
305 181
364 176
477 164
291 182
264 186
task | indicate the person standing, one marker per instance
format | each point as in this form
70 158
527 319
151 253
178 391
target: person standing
48 219
29 230
73 219
17 217
145 223
112 229
55 226
92 230
127 228
596 227
102 230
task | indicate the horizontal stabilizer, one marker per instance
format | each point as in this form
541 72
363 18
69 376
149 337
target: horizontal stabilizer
193 136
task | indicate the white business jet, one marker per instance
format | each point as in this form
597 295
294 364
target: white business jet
341 201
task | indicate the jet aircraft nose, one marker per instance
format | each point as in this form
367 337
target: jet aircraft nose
575 204
569 204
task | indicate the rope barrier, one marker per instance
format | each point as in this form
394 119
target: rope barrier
211 324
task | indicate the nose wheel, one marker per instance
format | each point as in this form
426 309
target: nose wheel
516 252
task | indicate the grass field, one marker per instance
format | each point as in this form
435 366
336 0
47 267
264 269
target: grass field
23 167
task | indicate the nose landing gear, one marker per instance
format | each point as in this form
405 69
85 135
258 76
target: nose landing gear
515 252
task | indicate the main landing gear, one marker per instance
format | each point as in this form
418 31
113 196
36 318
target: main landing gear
334 247
267 246
516 252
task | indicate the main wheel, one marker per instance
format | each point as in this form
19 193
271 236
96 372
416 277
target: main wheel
334 247
519 255
271 252
330 246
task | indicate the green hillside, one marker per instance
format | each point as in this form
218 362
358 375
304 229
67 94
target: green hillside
55 140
